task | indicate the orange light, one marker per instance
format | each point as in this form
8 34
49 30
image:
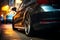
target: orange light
5 8
2 15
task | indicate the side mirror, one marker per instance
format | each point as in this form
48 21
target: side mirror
14 8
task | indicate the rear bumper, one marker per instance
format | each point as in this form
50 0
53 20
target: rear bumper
47 26
45 20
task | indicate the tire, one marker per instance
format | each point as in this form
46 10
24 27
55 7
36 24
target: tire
13 25
28 26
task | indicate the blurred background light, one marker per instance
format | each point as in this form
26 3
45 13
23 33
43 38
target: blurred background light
18 1
5 8
47 8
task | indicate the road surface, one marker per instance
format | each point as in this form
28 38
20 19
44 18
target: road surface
7 33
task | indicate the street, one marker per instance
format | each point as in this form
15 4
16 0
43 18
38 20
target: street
7 33
29 20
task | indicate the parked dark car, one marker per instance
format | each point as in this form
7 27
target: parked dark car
42 18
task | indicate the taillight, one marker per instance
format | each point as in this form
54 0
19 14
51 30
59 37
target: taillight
42 1
47 22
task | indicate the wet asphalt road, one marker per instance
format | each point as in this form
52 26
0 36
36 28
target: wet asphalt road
7 33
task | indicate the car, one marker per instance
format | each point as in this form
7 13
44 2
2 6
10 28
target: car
9 18
10 15
42 18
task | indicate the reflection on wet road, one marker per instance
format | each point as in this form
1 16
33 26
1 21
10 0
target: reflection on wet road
7 33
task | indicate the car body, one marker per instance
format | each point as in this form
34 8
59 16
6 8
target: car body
42 18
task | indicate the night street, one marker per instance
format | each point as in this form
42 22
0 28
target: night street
7 33
29 19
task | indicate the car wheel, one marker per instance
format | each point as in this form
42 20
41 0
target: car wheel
13 25
28 26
